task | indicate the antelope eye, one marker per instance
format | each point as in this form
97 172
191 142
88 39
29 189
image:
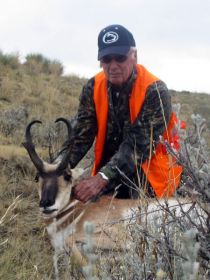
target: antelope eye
36 178
67 177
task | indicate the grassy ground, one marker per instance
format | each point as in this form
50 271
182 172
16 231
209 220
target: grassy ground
25 250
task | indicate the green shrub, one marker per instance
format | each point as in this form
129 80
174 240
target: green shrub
11 60
37 63
12 120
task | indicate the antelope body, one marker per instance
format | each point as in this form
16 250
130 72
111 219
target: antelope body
65 216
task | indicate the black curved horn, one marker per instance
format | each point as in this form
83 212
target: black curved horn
65 160
68 125
29 146
28 131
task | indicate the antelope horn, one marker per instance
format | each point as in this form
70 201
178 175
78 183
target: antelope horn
29 146
68 124
65 160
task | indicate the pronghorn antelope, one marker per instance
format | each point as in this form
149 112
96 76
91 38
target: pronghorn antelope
65 216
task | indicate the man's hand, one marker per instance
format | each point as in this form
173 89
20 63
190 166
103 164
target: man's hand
89 188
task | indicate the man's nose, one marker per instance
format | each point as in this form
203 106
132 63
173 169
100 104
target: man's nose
113 64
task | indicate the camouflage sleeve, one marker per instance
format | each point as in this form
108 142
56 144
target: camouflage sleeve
150 123
86 127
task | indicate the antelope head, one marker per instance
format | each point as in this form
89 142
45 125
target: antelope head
54 179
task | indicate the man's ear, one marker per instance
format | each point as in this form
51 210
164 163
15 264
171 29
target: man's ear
135 56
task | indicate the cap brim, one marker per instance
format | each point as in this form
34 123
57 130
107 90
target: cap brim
120 50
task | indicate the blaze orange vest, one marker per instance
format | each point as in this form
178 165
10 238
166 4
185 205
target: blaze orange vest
160 169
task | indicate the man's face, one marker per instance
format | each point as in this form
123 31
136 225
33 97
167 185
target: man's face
118 68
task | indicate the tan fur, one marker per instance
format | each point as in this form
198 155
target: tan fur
110 216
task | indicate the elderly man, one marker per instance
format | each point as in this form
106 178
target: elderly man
127 109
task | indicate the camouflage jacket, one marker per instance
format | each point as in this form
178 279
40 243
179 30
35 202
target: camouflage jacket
126 145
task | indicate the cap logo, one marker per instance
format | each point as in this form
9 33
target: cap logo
110 37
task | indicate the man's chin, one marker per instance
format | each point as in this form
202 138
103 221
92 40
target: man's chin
116 80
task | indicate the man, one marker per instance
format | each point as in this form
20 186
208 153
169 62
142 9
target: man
127 109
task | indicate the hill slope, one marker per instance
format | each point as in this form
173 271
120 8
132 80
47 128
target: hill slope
28 92
25 95
36 89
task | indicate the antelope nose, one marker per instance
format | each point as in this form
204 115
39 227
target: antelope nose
46 203
48 196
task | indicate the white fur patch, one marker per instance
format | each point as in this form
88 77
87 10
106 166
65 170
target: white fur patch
49 167
58 237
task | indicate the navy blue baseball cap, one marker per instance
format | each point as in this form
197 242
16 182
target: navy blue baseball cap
114 39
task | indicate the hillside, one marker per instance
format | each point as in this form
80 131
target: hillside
192 103
37 89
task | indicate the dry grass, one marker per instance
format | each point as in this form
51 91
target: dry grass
7 152
25 251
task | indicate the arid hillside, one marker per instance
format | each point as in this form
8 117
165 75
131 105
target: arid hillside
36 89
